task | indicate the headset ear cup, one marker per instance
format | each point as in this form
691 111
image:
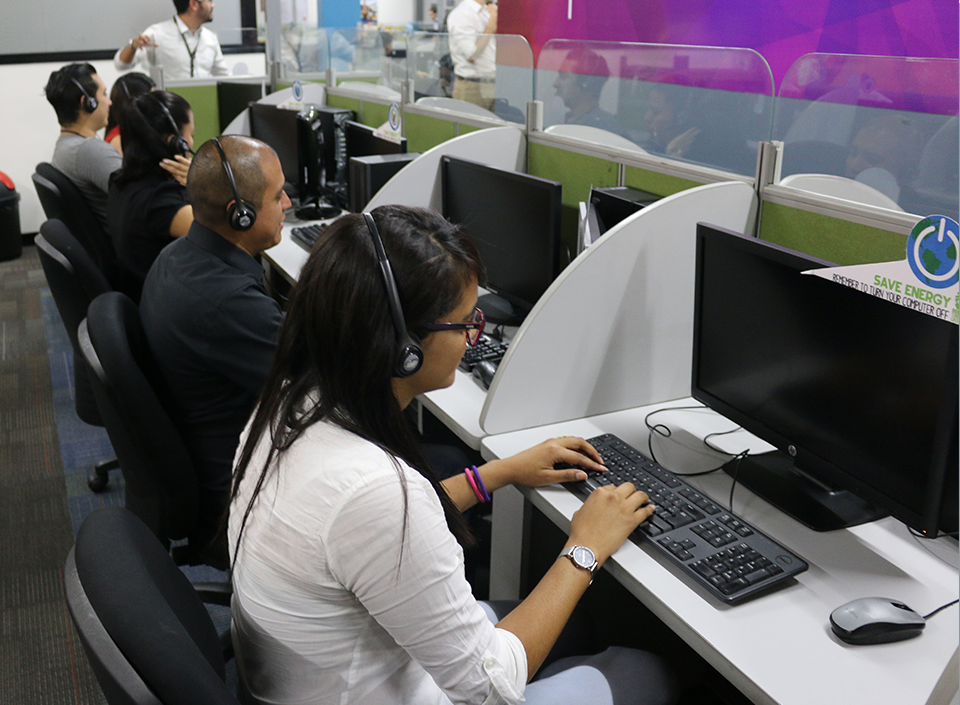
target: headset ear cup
409 357
90 104
242 216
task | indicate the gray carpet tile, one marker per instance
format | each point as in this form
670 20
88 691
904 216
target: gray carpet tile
41 660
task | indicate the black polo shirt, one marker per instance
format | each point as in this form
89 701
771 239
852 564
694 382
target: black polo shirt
213 329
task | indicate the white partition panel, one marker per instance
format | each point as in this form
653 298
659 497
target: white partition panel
418 183
615 330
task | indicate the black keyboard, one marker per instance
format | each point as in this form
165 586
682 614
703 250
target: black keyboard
720 551
307 235
487 349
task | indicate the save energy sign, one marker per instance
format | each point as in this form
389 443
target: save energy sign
927 280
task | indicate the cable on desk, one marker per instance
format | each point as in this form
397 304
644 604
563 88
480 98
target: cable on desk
736 470
665 431
940 608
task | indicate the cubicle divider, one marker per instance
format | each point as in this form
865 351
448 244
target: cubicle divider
615 330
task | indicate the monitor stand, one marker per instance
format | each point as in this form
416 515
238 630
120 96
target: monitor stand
499 311
316 211
774 477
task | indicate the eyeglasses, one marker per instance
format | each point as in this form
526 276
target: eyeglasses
474 329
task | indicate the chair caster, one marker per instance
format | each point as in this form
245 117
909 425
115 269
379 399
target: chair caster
97 483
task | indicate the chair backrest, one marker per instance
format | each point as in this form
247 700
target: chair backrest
161 482
74 280
146 632
61 199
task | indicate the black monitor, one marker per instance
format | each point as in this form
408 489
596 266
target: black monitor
362 142
311 149
298 145
233 98
514 219
858 394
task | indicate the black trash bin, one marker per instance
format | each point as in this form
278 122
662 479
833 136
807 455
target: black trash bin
11 245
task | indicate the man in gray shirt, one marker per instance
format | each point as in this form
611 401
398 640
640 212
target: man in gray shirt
80 98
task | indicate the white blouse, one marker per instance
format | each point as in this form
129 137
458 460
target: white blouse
337 599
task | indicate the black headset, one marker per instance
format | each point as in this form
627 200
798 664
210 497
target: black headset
241 214
409 355
90 103
180 144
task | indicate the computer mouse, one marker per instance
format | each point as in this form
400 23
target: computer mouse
875 620
484 371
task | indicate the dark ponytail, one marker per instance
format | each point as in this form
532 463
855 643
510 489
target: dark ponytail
149 136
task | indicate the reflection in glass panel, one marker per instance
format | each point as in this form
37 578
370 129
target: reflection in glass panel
497 84
889 124
706 105
304 49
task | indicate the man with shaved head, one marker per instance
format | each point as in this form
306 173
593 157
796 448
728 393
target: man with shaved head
210 323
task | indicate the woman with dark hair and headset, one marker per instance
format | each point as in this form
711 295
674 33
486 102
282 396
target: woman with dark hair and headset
147 204
347 551
125 90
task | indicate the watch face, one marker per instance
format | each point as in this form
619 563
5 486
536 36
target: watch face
584 557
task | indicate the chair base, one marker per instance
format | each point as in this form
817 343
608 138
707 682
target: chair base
99 477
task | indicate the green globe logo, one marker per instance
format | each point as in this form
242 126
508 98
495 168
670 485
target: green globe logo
932 251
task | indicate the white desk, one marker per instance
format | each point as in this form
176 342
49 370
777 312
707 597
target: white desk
777 648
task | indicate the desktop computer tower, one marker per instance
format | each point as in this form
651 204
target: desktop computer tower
615 203
367 175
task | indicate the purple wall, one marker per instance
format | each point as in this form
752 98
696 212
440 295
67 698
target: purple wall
780 30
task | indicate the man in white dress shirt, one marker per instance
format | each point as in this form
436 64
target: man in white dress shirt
180 44
474 51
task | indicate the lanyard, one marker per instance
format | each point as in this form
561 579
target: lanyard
193 53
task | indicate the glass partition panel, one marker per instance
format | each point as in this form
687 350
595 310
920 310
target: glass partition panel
705 105
882 129
475 74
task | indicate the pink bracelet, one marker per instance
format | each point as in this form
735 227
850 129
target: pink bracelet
476 475
473 484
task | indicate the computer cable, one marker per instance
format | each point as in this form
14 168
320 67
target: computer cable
665 431
940 608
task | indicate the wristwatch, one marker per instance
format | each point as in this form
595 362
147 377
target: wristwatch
582 557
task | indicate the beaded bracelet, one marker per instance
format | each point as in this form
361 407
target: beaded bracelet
476 475
473 484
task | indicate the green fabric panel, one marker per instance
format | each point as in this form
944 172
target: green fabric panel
651 181
425 133
464 129
375 114
832 239
339 101
577 173
206 111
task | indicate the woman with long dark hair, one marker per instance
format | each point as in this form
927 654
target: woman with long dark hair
147 204
347 561
125 90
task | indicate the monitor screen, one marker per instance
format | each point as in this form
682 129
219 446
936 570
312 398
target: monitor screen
361 142
856 392
514 220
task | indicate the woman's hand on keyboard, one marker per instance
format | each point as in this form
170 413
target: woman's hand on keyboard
608 517
535 467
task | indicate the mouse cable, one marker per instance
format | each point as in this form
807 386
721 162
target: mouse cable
942 607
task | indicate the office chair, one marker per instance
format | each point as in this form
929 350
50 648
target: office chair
75 280
61 199
162 486
142 624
